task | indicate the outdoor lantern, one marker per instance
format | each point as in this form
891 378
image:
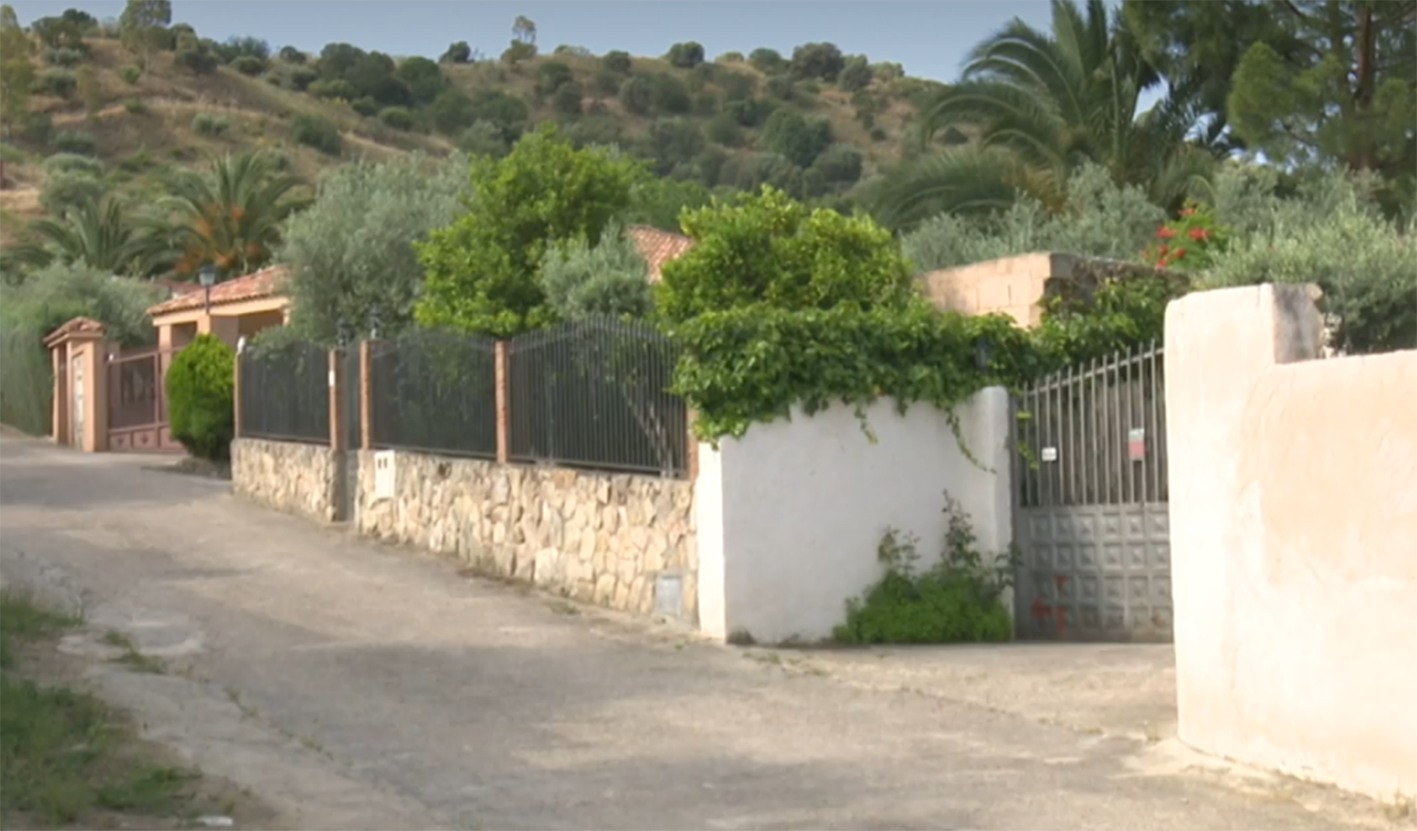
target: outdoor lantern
207 277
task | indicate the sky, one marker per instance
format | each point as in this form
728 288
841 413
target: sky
929 38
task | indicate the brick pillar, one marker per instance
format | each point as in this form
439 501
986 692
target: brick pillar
691 456
366 399
336 411
235 393
503 376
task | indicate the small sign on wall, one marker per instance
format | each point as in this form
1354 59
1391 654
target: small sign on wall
384 481
1136 443
1050 454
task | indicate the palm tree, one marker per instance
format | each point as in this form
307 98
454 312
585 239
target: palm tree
229 216
95 233
1041 105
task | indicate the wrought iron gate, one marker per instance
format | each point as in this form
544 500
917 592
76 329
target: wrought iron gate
1090 513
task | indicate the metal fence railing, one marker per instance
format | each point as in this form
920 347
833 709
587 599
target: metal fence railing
436 392
285 393
594 393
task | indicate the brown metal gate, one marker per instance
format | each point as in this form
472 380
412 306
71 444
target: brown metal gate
137 402
1091 514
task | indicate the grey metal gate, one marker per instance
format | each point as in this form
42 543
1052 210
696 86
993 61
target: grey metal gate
1090 510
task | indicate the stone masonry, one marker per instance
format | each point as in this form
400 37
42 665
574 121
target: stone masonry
288 476
596 537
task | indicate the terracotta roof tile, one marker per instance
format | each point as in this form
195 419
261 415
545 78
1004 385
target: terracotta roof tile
75 326
658 247
250 287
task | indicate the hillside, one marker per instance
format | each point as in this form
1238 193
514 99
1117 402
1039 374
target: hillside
712 122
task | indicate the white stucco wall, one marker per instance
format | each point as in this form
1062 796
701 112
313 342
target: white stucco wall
790 516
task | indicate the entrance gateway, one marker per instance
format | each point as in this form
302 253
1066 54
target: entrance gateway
1091 523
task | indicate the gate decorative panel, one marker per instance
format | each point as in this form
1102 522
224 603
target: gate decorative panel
1091 503
137 402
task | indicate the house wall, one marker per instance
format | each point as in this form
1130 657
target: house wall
1012 285
790 515
1293 542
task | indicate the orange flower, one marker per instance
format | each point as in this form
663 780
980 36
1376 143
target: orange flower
1187 211
1166 232
1180 252
1198 233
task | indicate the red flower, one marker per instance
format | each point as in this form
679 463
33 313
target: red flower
1187 211
1166 232
1179 253
1198 233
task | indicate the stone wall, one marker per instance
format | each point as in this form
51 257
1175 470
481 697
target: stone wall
288 476
596 537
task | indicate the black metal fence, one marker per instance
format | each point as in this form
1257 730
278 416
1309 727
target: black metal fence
435 392
285 393
594 393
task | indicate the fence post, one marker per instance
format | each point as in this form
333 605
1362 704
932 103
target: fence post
691 449
336 411
503 401
366 399
235 389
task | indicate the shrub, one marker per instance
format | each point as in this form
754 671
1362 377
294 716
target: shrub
550 76
603 279
60 83
365 106
333 88
856 75
731 56
399 118
821 61
670 94
637 94
249 65
957 600
75 141
200 397
291 55
767 60
781 87
839 164
63 56
134 106
130 74
616 61
724 129
73 162
567 100
319 133
195 55
701 76
63 189
210 124
294 76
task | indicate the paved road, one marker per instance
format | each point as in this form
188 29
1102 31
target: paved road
355 685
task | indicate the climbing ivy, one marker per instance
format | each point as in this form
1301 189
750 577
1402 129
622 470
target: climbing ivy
752 364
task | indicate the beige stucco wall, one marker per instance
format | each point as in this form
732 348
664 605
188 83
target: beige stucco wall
1294 542
1011 285
598 537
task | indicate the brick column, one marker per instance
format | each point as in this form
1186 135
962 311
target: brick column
366 398
503 376
235 395
336 411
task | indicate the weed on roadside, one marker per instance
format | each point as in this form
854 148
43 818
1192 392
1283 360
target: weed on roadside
131 657
63 753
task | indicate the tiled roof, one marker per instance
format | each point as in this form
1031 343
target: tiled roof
658 247
75 326
251 287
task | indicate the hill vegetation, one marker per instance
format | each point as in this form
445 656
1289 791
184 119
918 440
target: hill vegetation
116 107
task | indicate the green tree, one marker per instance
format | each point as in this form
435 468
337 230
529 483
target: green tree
672 142
524 30
95 233
229 215
617 61
1042 104
855 74
685 55
793 136
483 270
661 202
767 61
16 69
351 256
822 61
607 278
423 78
458 52
768 249
1349 97
143 27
